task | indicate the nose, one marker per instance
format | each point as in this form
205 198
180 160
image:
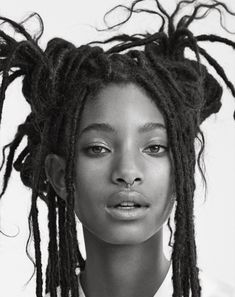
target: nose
127 169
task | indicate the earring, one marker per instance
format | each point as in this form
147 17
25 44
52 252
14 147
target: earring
77 270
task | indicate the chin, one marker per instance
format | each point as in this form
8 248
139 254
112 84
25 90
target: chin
123 236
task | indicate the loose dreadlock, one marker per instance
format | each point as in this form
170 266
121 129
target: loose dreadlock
58 82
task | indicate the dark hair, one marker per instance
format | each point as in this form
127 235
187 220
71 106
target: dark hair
58 82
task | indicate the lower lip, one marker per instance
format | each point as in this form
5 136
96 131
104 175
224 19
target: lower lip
128 214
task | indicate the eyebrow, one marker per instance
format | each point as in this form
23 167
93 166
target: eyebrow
104 127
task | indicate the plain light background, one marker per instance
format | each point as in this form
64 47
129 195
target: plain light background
214 218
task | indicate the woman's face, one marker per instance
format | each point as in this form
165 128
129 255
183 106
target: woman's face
123 139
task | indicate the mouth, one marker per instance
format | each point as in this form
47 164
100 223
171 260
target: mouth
127 213
126 205
127 200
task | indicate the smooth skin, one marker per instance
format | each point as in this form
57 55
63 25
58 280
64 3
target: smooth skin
124 258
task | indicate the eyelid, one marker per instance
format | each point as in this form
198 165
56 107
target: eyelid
159 142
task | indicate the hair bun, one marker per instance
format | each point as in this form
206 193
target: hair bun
202 92
212 94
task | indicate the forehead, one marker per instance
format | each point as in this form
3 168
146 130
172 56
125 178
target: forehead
120 104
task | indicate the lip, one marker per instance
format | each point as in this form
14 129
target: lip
127 196
128 214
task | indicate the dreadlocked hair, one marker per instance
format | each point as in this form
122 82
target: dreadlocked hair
59 81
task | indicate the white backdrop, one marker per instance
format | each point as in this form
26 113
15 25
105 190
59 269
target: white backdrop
214 219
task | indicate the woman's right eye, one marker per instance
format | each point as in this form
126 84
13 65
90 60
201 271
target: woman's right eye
95 150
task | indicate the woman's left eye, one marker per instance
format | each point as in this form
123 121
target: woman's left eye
157 149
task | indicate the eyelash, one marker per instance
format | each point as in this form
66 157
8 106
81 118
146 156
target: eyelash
100 146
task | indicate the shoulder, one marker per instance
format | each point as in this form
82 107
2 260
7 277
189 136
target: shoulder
212 287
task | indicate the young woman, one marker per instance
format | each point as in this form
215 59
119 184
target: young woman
111 140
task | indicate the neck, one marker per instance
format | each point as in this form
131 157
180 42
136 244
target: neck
123 270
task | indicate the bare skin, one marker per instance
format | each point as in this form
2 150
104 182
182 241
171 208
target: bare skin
119 271
124 258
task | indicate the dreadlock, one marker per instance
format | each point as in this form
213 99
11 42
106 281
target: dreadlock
59 81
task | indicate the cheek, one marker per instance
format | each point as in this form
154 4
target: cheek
170 195
89 182
87 174
163 178
163 189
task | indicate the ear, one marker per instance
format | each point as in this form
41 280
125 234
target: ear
55 172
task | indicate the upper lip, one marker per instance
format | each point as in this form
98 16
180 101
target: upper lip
127 196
